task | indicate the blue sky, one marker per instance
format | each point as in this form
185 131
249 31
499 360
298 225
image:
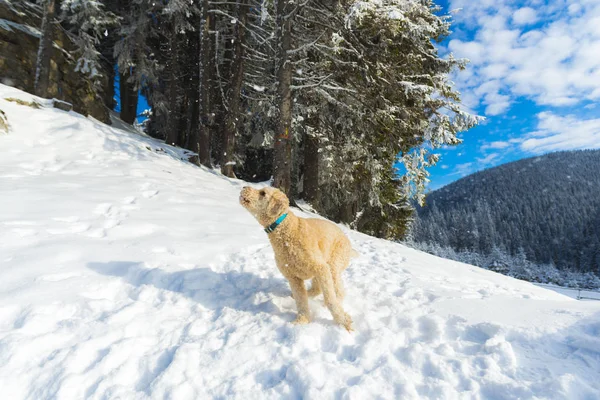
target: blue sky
534 74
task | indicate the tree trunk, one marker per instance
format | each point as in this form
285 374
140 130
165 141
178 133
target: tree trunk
194 93
310 183
219 94
203 142
108 61
42 65
182 120
109 91
174 109
214 93
282 162
233 115
129 97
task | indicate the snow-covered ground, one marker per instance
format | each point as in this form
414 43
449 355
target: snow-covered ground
581 294
127 273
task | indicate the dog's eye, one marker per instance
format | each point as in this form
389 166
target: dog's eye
262 193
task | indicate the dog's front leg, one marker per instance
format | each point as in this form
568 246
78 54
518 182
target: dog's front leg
331 301
301 297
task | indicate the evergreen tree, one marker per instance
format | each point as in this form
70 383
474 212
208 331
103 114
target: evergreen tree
88 21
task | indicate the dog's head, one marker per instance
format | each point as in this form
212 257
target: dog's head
266 204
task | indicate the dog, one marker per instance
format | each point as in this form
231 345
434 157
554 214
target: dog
305 248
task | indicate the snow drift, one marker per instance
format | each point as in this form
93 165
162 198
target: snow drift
126 272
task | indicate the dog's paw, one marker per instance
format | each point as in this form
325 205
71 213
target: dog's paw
346 323
301 320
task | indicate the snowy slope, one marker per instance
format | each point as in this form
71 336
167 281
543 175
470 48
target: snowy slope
128 273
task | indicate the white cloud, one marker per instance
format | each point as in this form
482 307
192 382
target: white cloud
494 71
467 168
498 145
496 103
556 132
463 169
488 160
472 50
524 16
574 9
556 63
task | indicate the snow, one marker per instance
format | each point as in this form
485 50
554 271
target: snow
8 25
126 272
581 294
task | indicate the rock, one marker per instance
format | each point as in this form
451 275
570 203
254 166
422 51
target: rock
19 40
62 105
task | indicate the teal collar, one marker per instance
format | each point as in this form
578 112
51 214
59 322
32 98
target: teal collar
275 224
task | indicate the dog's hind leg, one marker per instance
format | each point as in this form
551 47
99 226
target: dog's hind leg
325 280
339 262
301 297
315 289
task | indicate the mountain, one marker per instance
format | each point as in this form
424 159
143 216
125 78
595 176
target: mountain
544 208
127 272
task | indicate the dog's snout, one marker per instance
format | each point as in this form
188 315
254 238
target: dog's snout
244 193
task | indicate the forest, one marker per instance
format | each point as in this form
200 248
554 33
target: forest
341 104
538 211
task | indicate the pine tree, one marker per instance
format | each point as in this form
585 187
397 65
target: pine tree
353 71
88 21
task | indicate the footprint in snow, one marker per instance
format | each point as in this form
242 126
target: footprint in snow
103 208
129 200
148 194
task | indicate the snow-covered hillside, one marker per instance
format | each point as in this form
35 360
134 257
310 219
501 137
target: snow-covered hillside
128 273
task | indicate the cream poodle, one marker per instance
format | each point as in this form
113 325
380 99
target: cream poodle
305 248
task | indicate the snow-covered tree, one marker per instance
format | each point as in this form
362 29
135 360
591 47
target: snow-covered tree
389 101
88 21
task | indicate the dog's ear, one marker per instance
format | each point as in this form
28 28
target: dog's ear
278 203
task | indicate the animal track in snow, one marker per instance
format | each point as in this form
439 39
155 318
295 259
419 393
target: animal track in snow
103 208
129 200
148 194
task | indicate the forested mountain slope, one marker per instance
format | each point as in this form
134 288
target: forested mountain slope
546 207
